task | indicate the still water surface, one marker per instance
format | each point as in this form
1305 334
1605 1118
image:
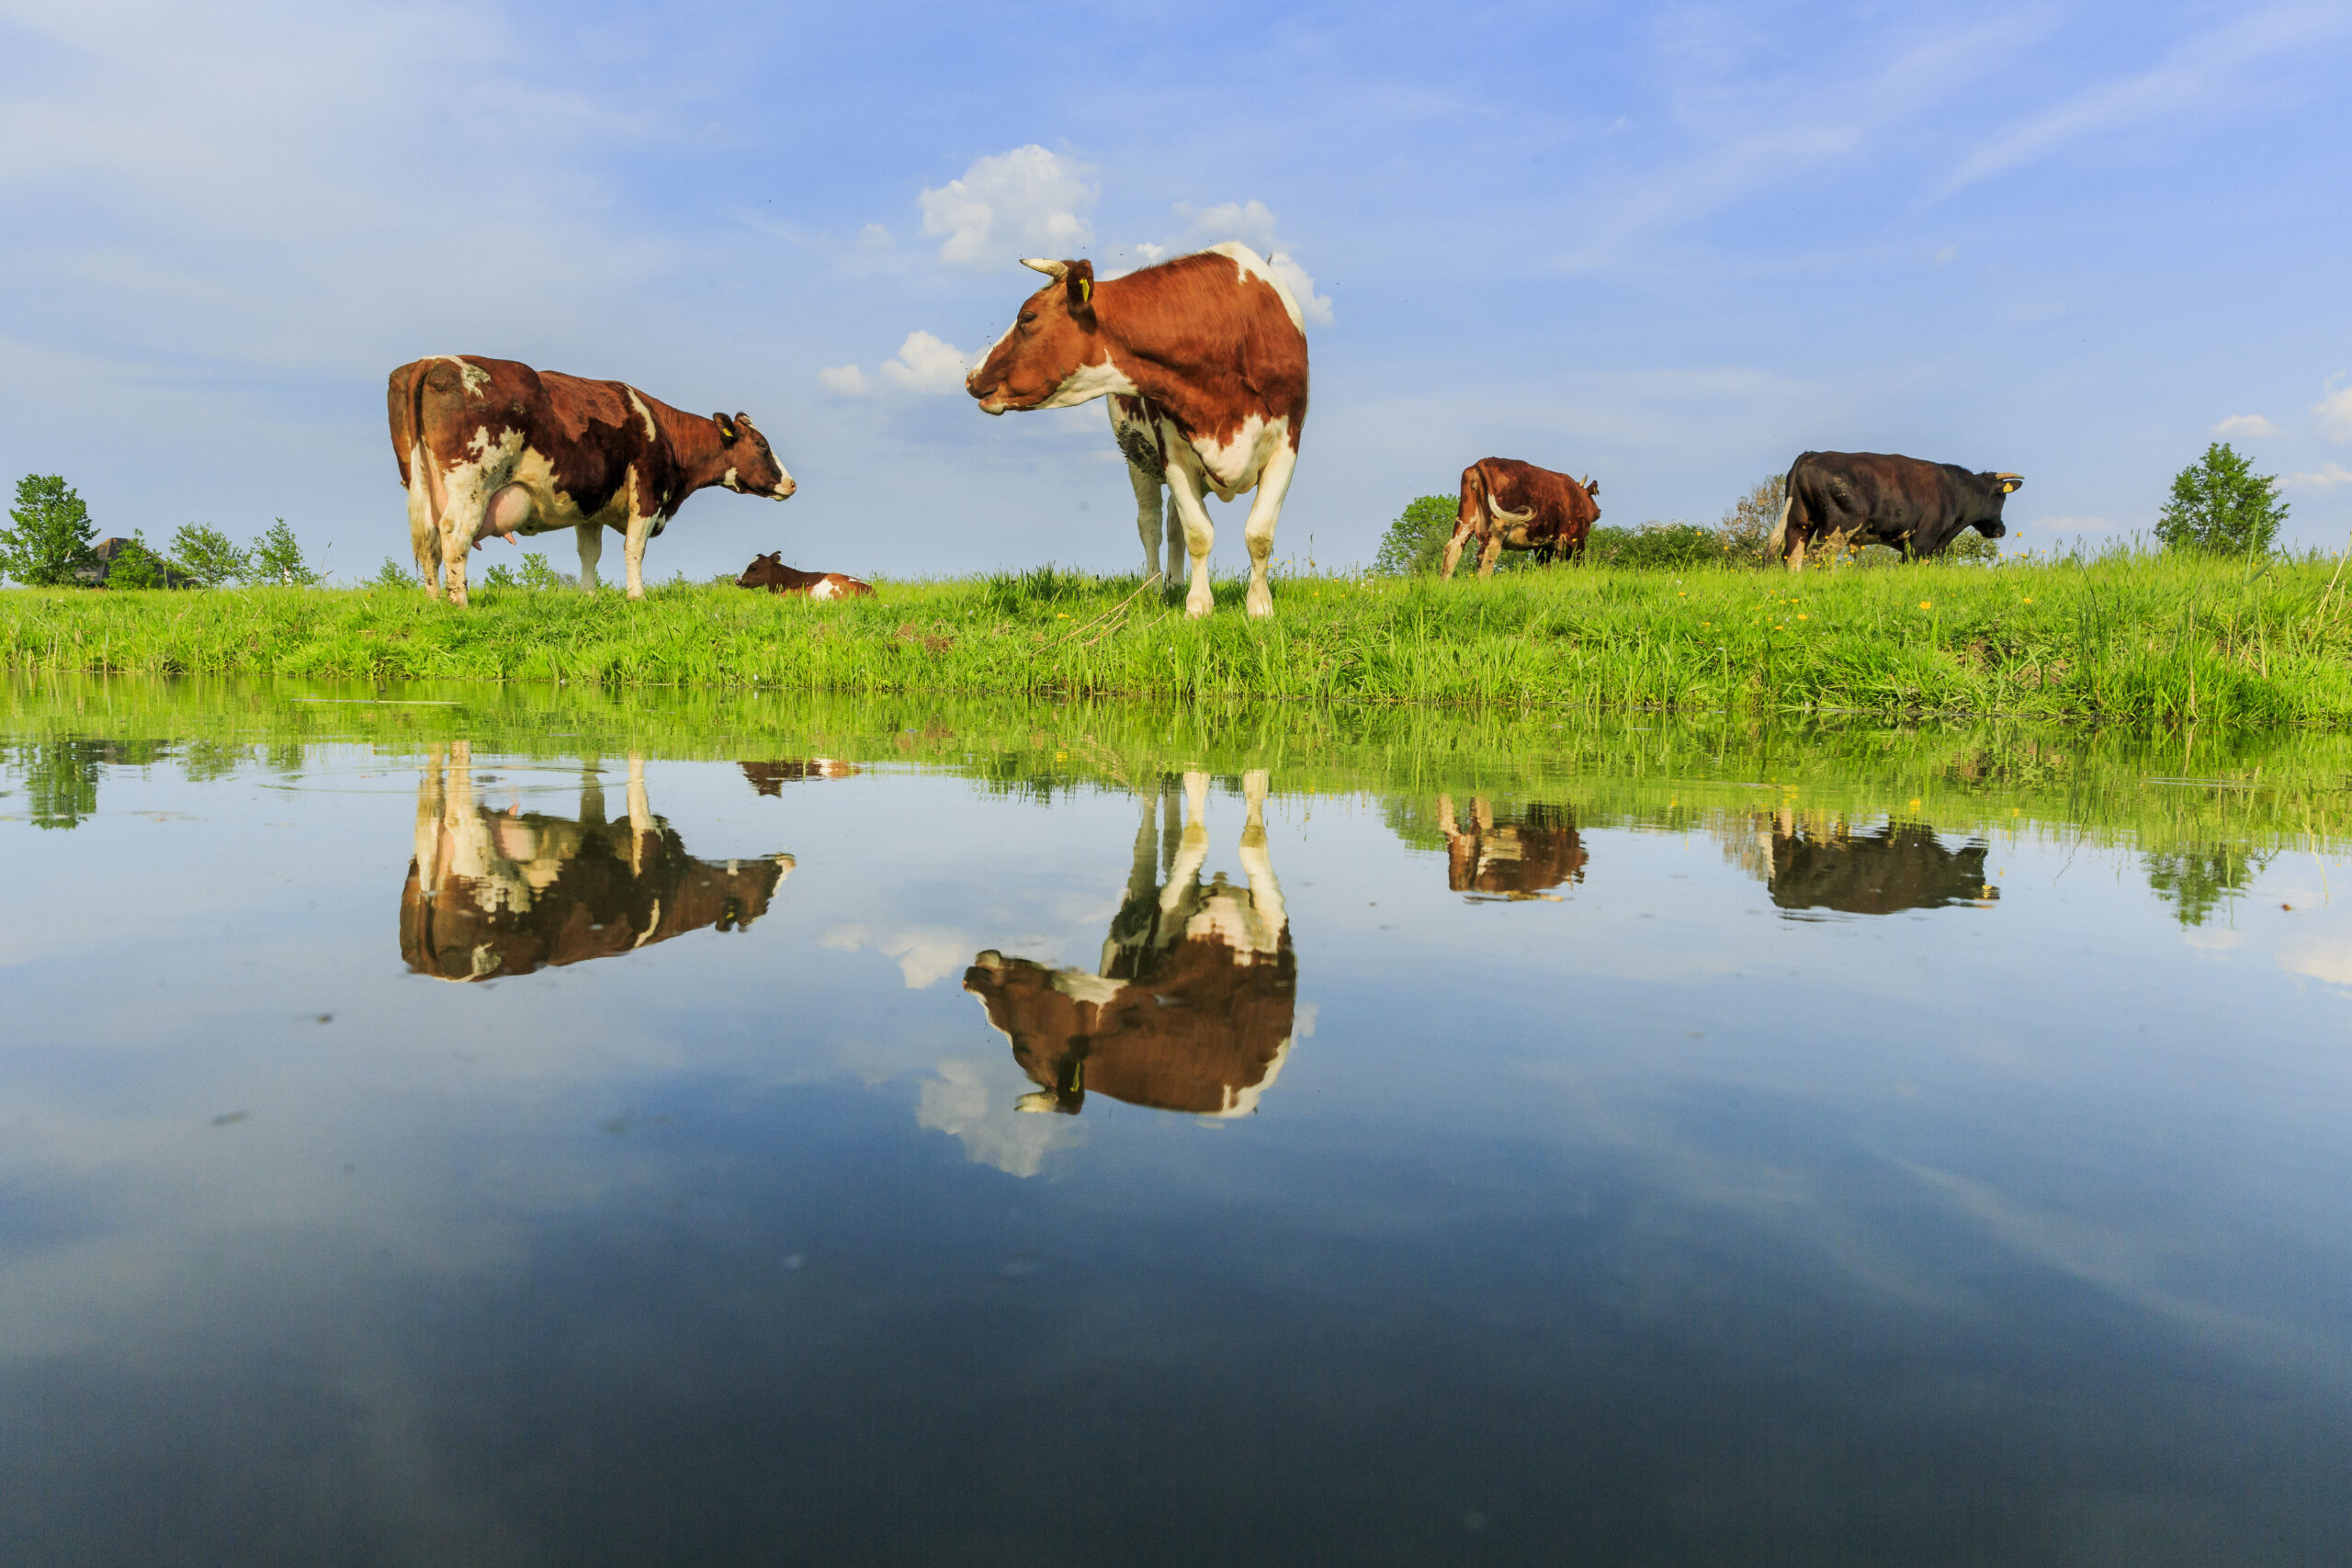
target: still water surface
434 1130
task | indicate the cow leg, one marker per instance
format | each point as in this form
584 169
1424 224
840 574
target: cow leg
1461 534
1192 847
1258 533
1185 493
1175 531
590 541
633 553
423 539
643 827
1492 552
591 546
1265 893
1146 490
1796 551
456 539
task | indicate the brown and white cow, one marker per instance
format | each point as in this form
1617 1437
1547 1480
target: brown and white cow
1510 505
489 447
1515 858
1204 358
1196 1001
504 893
769 572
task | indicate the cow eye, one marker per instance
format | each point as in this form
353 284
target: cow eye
1027 317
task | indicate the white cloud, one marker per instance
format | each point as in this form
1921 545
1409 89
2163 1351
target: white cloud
2329 475
2251 425
1009 205
2335 411
925 955
873 237
847 379
2328 961
975 1103
1316 308
924 365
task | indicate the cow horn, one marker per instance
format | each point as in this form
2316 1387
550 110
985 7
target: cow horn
1052 269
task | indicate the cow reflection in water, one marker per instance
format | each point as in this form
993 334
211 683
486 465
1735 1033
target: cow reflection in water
1522 857
1814 861
1191 1007
494 893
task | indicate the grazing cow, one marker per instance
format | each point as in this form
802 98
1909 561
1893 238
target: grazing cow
1193 1006
1825 865
489 446
1517 859
1204 358
492 894
769 572
1872 498
1510 506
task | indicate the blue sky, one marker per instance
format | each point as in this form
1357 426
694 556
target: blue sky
1670 246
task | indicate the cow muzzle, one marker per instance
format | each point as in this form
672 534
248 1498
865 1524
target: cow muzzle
784 489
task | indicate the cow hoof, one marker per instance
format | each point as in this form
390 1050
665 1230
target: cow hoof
1260 605
1198 609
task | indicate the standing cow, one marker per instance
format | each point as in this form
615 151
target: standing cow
1204 358
1876 497
1510 505
489 447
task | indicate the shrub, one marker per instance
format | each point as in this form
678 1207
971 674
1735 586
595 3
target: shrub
51 541
2221 506
1664 547
499 575
136 566
1745 535
537 574
278 559
392 574
205 554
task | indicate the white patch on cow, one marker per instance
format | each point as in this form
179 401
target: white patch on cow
825 590
652 433
728 479
1088 382
1252 264
1244 1101
472 377
1234 465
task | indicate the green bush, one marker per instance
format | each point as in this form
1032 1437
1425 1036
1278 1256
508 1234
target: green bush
278 559
392 574
1663 546
539 576
2221 506
1415 543
51 541
136 566
205 554
498 574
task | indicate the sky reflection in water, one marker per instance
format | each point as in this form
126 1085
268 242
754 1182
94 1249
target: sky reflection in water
988 1148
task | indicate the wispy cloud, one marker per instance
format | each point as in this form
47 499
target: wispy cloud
2330 475
2244 426
924 365
2335 411
2198 71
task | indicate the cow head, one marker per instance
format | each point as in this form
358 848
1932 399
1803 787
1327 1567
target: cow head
763 572
751 465
1996 488
1042 360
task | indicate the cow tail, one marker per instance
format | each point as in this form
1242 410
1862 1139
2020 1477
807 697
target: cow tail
1499 514
435 500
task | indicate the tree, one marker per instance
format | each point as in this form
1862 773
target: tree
2220 505
50 542
1748 523
136 566
206 555
1415 542
538 574
392 574
278 559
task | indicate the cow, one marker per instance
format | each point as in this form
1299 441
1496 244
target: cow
1204 359
1510 505
769 778
492 894
489 446
1525 857
1193 1006
1825 865
1876 497
769 572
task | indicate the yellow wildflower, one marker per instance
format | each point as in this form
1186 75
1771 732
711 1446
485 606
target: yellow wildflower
1923 604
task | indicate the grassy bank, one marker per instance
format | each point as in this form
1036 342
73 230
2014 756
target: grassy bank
2153 639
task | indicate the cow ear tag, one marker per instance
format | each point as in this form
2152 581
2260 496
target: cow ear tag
727 431
1086 291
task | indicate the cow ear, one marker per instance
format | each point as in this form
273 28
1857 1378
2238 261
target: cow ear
2011 481
727 431
1078 286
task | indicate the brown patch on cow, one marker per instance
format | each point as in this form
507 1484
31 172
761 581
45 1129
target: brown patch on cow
1206 344
769 572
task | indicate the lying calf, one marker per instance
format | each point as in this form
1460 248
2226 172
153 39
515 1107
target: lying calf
769 572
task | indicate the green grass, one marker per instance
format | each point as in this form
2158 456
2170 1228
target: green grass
2154 640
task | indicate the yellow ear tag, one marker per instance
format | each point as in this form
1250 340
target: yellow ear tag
1085 290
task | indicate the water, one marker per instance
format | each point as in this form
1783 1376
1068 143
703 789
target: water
450 1126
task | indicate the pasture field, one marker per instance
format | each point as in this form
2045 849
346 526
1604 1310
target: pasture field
2146 638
